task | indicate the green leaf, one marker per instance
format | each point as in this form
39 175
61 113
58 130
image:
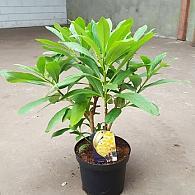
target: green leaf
56 50
91 64
159 82
60 132
140 32
148 36
53 46
134 48
81 22
21 77
64 31
119 102
121 76
120 32
70 79
28 107
157 60
87 92
79 137
94 33
77 112
55 119
92 44
55 32
141 102
50 43
30 69
94 81
54 98
96 84
127 86
103 32
118 49
111 86
83 147
110 23
41 64
66 115
78 48
53 68
112 115
145 59
136 80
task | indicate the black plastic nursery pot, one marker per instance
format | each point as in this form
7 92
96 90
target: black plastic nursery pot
103 179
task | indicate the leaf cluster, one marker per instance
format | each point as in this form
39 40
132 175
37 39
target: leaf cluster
106 70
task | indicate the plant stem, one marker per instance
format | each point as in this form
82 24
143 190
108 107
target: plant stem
109 127
139 90
105 103
92 113
91 121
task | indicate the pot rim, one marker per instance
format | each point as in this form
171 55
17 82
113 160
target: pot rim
116 164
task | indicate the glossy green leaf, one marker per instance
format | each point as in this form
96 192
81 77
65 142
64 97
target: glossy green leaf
120 32
50 43
118 49
91 64
66 115
93 80
94 33
64 31
28 107
140 32
53 68
21 77
87 92
111 86
78 48
81 22
54 98
70 79
136 80
103 32
148 36
92 44
30 69
60 132
157 60
122 75
145 59
112 115
159 82
55 32
141 102
55 119
41 64
77 112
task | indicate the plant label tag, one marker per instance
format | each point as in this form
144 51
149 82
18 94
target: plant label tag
105 146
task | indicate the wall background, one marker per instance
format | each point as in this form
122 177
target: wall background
161 14
22 13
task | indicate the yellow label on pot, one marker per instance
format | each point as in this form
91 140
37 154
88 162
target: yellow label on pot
105 146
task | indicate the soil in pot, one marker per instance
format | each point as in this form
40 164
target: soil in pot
86 154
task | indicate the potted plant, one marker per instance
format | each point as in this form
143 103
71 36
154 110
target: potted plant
107 76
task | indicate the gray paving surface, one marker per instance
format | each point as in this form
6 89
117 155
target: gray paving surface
163 148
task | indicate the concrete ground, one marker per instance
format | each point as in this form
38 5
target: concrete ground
163 148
